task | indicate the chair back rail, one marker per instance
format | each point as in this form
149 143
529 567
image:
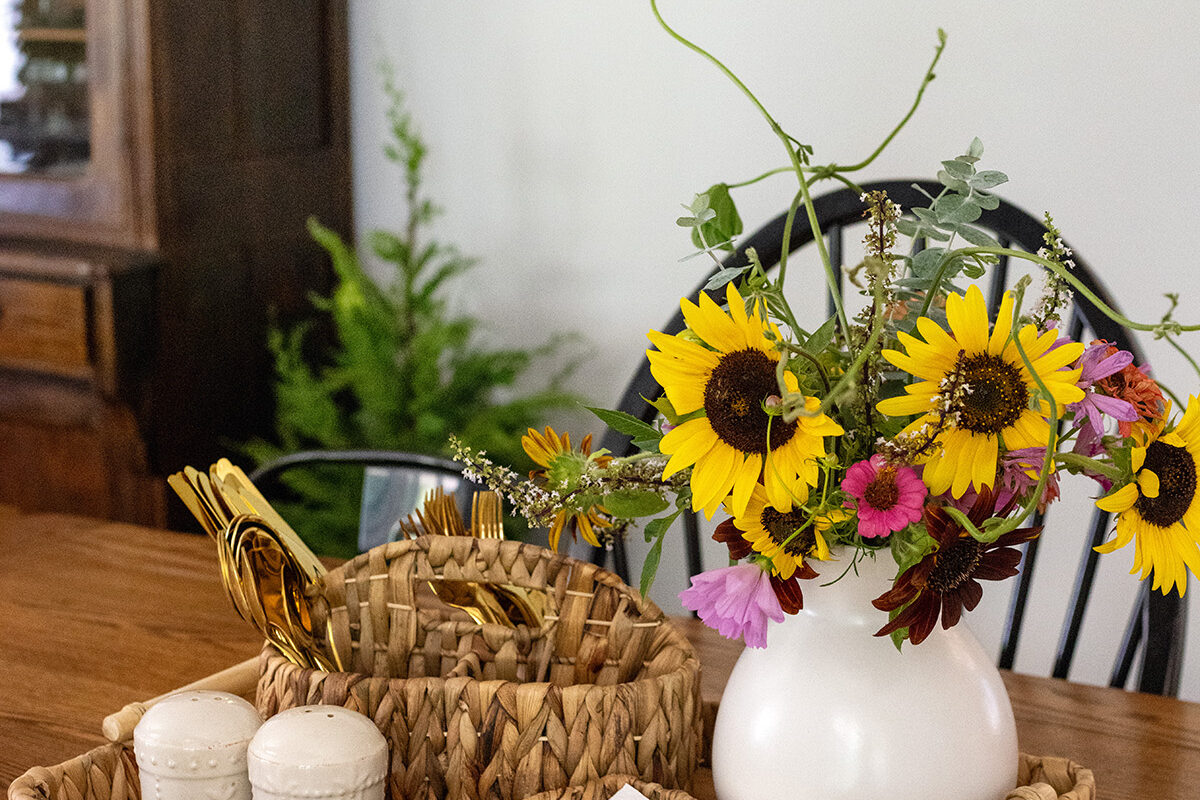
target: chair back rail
1156 623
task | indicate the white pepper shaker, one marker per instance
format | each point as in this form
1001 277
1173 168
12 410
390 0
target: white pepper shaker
328 752
192 746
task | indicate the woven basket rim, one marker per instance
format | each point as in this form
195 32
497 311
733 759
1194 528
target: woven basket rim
25 786
646 608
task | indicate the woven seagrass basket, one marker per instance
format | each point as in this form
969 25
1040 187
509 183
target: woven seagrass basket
604 788
606 685
110 773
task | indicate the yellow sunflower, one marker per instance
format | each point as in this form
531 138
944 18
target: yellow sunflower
729 377
997 403
787 538
544 449
1160 509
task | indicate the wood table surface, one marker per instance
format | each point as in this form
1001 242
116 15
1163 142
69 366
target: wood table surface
94 615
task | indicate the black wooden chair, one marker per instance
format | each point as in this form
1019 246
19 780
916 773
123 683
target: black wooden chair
1155 630
393 484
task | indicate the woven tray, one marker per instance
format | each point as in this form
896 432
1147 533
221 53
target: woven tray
606 686
604 788
110 773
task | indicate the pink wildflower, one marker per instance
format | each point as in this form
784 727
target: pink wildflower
736 601
888 498
1019 474
1099 361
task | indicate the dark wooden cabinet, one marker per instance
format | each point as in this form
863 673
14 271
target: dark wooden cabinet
139 269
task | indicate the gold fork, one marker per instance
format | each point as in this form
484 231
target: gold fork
440 514
487 522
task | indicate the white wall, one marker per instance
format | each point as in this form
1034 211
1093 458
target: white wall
564 136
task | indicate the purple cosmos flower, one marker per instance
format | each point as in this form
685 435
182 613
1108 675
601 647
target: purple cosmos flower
1019 473
1095 364
736 601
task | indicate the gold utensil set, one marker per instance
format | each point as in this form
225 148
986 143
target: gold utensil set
269 572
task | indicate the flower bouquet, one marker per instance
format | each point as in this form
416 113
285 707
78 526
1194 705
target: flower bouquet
926 428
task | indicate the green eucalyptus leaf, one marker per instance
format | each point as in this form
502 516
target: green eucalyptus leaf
959 169
987 202
987 179
975 149
631 503
977 236
724 276
925 263
908 227
952 183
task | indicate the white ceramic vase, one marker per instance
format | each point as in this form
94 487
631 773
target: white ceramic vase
829 711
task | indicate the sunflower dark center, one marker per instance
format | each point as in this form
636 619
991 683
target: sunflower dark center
780 526
733 402
882 492
955 564
1176 471
996 393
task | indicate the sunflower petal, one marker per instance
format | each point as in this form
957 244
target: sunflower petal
1003 326
1119 501
968 319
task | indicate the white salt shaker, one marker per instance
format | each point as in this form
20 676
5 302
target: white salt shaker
192 746
328 752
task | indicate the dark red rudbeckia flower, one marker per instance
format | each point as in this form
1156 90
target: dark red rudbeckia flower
947 580
787 591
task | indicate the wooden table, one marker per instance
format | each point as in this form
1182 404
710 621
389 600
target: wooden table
94 615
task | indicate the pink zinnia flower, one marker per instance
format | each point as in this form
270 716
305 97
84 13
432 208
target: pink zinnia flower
736 601
888 498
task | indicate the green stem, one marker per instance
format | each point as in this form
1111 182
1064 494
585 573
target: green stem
793 156
1083 463
929 76
769 173
1077 284
1183 353
847 377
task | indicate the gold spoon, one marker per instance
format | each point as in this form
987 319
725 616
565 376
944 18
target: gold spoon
275 584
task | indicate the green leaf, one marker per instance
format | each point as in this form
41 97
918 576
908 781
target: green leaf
624 423
631 503
952 183
650 567
977 236
959 169
987 179
987 202
925 263
655 531
908 227
975 149
973 270
724 276
724 225
954 209
669 413
822 336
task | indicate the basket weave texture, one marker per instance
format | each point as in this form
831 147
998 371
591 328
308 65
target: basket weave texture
606 686
110 773
604 788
